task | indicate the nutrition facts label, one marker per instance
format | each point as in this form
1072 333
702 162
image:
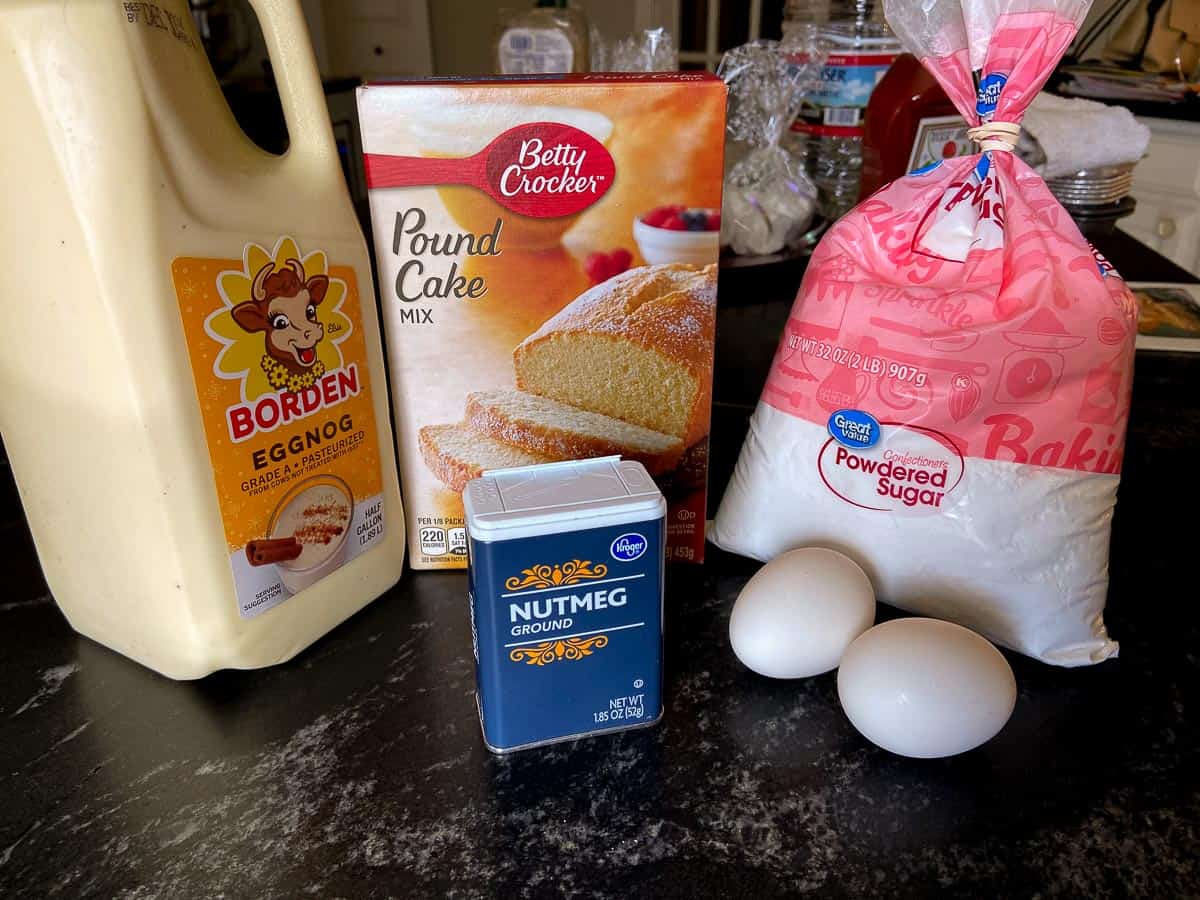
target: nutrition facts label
442 537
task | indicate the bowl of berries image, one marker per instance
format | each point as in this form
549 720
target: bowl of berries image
683 234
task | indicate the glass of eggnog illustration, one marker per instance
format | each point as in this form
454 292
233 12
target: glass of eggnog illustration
463 130
316 514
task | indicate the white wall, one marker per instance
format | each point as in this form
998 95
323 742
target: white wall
464 31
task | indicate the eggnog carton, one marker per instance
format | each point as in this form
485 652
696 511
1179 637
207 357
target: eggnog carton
546 252
194 401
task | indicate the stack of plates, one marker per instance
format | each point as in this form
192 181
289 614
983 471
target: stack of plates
1097 197
1093 187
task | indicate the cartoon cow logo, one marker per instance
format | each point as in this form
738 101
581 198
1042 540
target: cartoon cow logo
283 306
282 319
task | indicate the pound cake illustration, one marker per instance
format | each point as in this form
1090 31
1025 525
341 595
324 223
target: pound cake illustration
457 453
567 432
624 369
637 347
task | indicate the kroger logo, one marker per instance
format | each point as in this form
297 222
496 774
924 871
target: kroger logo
628 547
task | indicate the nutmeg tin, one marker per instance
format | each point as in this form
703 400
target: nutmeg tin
566 594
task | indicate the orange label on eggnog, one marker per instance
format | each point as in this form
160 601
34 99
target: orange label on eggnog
276 346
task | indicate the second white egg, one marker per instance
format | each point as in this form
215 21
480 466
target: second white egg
926 689
799 613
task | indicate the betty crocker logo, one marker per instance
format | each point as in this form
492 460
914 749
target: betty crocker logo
543 170
547 169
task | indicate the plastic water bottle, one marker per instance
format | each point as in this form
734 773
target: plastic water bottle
828 131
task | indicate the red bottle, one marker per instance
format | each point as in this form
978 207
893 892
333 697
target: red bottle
910 123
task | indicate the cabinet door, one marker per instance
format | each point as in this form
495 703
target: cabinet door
1168 222
1166 185
378 38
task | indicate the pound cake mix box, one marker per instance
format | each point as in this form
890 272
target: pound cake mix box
547 253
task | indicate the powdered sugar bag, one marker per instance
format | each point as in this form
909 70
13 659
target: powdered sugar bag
949 399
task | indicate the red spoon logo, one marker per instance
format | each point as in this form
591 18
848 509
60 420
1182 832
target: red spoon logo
543 170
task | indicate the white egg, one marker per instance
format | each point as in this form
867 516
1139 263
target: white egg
925 688
799 612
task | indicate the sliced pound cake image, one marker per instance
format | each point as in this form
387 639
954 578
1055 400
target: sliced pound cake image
555 429
637 347
456 454
624 369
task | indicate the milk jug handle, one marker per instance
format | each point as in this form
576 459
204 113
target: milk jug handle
310 135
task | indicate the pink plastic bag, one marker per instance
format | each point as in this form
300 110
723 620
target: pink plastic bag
949 399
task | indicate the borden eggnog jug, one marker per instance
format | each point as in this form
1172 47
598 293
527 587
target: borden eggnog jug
194 399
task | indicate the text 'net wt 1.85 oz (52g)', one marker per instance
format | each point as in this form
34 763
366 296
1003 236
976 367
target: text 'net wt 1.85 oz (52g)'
949 398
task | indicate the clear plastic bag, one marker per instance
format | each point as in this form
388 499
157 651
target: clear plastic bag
651 50
769 199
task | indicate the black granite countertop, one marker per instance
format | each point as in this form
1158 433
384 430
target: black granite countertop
357 769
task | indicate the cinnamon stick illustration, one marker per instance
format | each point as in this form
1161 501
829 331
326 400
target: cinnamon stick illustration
272 550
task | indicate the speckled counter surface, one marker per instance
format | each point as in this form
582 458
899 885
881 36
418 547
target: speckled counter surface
357 770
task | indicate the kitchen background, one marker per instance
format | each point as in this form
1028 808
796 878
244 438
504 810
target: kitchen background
372 39
357 768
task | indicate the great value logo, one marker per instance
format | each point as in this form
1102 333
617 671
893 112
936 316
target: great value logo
854 428
912 471
988 94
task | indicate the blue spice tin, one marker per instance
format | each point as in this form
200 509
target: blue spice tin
566 593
